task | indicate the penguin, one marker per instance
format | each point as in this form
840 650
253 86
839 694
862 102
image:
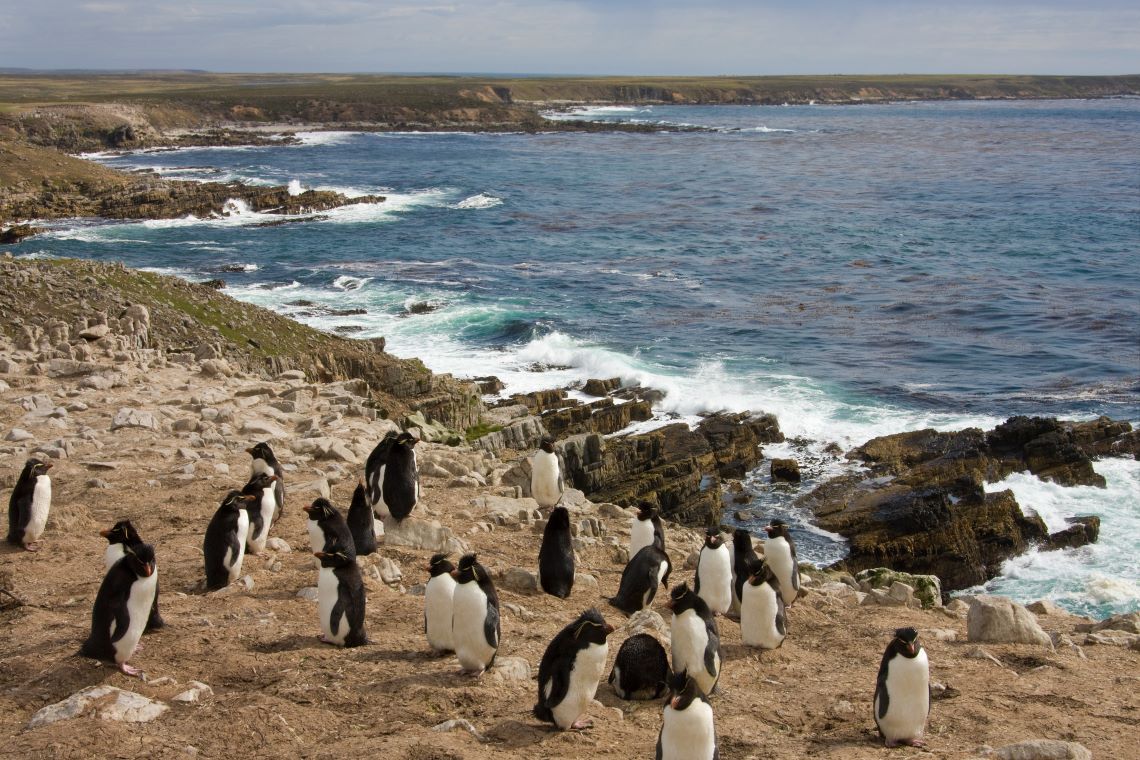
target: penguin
374 469
122 607
646 529
695 638
265 462
641 669
119 536
743 555
361 523
763 622
713 579
475 617
640 578
687 728
438 597
902 691
28 507
400 489
780 554
224 545
570 670
263 489
340 597
546 484
556 555
328 528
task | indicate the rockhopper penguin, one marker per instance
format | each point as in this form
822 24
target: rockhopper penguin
340 598
646 529
762 619
119 536
641 668
713 579
687 728
648 568
361 523
570 670
475 617
224 545
328 528
695 638
438 597
265 462
780 554
29 505
264 490
902 691
122 607
546 485
556 555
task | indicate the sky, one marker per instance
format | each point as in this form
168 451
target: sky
589 37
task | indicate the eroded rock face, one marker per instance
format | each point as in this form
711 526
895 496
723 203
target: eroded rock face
997 619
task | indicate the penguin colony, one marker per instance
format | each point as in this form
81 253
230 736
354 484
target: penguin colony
461 606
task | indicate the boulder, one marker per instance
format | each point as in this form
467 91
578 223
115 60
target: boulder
421 534
134 418
105 702
1043 749
927 589
1000 620
519 581
785 471
595 387
1085 529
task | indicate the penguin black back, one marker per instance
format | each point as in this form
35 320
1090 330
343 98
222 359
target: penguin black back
640 578
743 555
222 536
561 658
401 477
123 533
333 526
21 517
641 669
261 453
361 522
470 570
556 555
350 597
110 614
374 468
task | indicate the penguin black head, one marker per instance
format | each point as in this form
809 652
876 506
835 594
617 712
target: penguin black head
713 539
259 483
237 500
262 451
559 519
470 570
407 439
646 511
547 445
320 509
36 467
439 564
591 627
758 572
906 643
141 559
121 532
742 537
685 691
682 598
336 556
777 529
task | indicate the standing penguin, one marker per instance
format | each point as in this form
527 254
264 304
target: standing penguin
328 528
374 474
438 598
28 507
265 462
713 579
340 598
743 555
649 568
122 606
361 523
119 536
687 728
570 670
401 483
902 691
646 529
762 619
695 638
224 545
641 669
475 611
263 489
780 554
546 485
556 555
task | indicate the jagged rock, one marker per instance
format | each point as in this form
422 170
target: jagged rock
18 435
1084 530
1042 749
194 694
106 702
521 435
511 669
1044 607
596 387
520 581
460 724
1128 622
997 619
927 589
785 471
134 418
95 332
648 621
421 534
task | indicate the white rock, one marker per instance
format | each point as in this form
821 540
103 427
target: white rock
18 435
460 724
421 534
94 332
511 669
308 593
390 571
279 545
107 702
262 428
520 581
195 693
1043 749
997 619
134 418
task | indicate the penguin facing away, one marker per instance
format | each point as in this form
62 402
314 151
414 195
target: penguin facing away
224 545
122 606
29 505
401 486
743 555
263 488
475 617
374 469
361 523
556 555
438 599
695 638
713 578
726 539
780 554
328 528
340 598
546 484
119 536
646 529
763 621
641 669
649 568
902 691
688 731
570 670
265 462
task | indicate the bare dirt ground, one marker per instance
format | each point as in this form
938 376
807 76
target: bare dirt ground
278 692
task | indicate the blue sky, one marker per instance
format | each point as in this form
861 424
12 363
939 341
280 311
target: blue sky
638 37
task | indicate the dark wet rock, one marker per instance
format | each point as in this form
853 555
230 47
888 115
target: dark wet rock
595 387
489 386
602 416
785 471
216 284
1084 530
421 307
18 232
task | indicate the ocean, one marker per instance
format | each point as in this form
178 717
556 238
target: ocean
857 271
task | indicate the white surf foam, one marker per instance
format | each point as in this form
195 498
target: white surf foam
480 201
294 187
311 139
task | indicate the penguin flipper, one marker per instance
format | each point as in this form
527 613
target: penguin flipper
781 615
882 698
491 626
712 649
658 756
121 621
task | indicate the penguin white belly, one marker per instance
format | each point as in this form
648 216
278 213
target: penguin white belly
112 554
908 690
139 602
584 677
544 479
758 612
688 734
259 467
690 638
327 592
715 572
41 503
640 536
316 536
778 554
438 597
469 610
661 570
380 508
267 506
233 560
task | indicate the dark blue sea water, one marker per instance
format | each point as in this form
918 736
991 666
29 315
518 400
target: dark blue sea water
855 270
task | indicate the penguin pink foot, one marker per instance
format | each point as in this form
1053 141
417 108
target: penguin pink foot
33 547
582 724
472 672
130 670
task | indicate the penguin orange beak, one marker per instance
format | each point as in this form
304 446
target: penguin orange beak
319 555
249 451
454 574
148 569
675 702
273 478
249 497
105 533
307 508
609 629
47 465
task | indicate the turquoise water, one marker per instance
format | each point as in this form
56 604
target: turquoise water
855 270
